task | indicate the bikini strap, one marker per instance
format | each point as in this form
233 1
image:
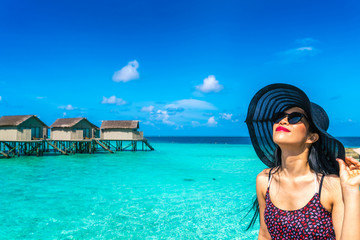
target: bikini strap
270 177
321 182
316 183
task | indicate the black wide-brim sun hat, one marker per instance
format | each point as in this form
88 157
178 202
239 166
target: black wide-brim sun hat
279 97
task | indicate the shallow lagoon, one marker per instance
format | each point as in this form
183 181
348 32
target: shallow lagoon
179 191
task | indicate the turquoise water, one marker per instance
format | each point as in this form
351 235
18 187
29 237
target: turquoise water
179 191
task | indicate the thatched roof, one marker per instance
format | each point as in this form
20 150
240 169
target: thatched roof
69 122
113 124
13 121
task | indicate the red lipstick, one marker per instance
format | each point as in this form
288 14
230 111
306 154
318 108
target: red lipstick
282 129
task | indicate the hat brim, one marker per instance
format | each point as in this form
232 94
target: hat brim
278 98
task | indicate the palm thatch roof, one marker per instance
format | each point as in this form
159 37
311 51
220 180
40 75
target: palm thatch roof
16 120
116 124
69 122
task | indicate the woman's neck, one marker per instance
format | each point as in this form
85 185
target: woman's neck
294 162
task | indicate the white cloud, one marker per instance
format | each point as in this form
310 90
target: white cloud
148 123
0 98
212 122
195 123
147 109
306 41
179 127
113 100
226 116
64 114
304 49
191 104
164 117
67 107
40 97
297 54
127 73
301 51
186 112
210 84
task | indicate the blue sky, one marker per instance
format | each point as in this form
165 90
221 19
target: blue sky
183 68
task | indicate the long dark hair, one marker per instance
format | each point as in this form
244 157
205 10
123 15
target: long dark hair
315 160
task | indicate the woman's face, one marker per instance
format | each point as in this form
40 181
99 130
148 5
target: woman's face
285 133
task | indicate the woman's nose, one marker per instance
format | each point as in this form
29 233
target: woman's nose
284 121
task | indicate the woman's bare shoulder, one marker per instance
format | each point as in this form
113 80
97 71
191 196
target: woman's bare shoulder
332 179
332 183
261 183
263 176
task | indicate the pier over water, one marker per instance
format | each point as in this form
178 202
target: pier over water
28 135
66 147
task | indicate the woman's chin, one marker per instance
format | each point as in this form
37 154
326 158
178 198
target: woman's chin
283 141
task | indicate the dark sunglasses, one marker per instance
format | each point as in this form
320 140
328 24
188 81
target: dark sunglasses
293 117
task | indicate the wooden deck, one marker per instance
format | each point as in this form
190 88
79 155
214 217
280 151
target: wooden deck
65 147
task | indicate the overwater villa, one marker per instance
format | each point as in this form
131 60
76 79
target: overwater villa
73 129
120 130
22 128
28 135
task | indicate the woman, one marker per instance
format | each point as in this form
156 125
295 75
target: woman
301 196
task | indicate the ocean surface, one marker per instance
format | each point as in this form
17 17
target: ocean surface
188 188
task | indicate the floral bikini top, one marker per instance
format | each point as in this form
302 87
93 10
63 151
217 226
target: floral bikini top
312 221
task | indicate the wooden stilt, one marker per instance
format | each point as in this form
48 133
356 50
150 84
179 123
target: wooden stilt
55 147
39 147
103 146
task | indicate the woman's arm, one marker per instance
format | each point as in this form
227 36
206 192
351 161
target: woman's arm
337 206
261 186
350 181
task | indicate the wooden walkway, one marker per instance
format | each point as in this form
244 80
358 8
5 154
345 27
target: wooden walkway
65 147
